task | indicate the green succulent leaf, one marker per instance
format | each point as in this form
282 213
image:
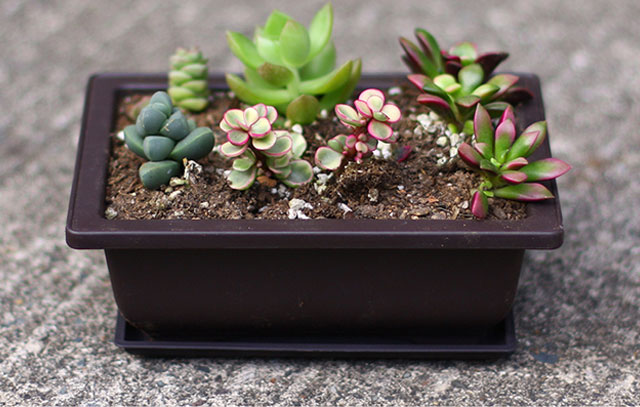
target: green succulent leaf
528 141
447 82
496 109
321 64
254 79
428 41
320 30
283 145
178 93
268 48
244 49
337 143
254 95
329 82
303 109
466 51
275 23
301 173
193 104
524 192
418 57
546 169
149 121
276 75
470 77
485 91
230 150
328 159
161 97
176 126
197 144
482 127
504 137
343 93
243 163
177 78
294 44
166 110
265 142
299 145
157 148
133 140
153 174
503 82
242 180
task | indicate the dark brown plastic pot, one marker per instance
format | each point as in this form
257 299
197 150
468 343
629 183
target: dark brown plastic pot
209 278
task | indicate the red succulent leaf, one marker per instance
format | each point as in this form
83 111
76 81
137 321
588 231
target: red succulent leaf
527 192
469 155
490 60
482 126
508 115
453 67
418 80
479 205
516 95
546 169
438 105
515 164
514 177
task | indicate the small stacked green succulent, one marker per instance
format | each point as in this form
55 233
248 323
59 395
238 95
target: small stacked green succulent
257 147
455 82
292 68
188 77
501 159
164 136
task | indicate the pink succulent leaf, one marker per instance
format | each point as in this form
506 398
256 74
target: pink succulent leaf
261 108
418 80
379 130
260 128
375 103
503 82
392 112
328 159
438 105
225 126
348 115
362 147
230 150
452 67
368 93
508 115
482 126
483 149
282 146
527 192
272 114
514 177
479 205
238 137
250 116
235 118
363 108
546 169
266 142
515 164
372 143
540 126
403 153
490 60
469 155
504 137
351 141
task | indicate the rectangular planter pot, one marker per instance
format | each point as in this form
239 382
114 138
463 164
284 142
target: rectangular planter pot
211 278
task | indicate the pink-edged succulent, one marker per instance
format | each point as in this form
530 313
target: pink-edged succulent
370 122
501 158
257 147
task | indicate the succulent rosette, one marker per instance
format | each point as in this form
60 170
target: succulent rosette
256 147
370 122
164 136
501 159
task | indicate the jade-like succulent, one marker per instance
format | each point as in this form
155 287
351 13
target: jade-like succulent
164 136
256 146
188 77
501 159
292 68
431 61
369 122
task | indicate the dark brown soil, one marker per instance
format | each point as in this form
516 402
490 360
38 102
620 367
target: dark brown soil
421 187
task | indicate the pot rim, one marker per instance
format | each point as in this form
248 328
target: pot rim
87 228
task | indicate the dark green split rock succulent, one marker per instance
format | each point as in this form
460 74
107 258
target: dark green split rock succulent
164 136
188 77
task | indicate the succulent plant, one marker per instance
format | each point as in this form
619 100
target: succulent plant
292 68
369 122
501 159
256 146
430 60
455 82
164 136
188 77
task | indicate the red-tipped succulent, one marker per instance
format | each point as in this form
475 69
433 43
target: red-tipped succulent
256 146
369 121
501 159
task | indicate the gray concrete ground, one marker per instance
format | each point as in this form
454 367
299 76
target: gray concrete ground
578 308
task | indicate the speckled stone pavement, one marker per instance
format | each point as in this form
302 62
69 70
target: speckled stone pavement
578 308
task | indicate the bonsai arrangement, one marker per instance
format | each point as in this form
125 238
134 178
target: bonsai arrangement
389 170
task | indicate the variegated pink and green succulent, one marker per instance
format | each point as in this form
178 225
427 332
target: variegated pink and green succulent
369 121
258 148
501 159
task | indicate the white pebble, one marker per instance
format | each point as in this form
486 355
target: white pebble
344 208
454 138
110 213
323 114
120 136
442 161
296 128
401 187
453 152
442 141
396 90
204 204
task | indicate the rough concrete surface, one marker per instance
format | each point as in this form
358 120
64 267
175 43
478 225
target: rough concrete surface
577 310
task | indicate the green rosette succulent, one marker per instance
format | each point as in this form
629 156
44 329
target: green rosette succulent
257 148
502 160
188 77
164 136
291 67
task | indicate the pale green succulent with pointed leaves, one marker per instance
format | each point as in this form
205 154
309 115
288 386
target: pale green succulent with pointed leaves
164 136
292 68
188 86
258 148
